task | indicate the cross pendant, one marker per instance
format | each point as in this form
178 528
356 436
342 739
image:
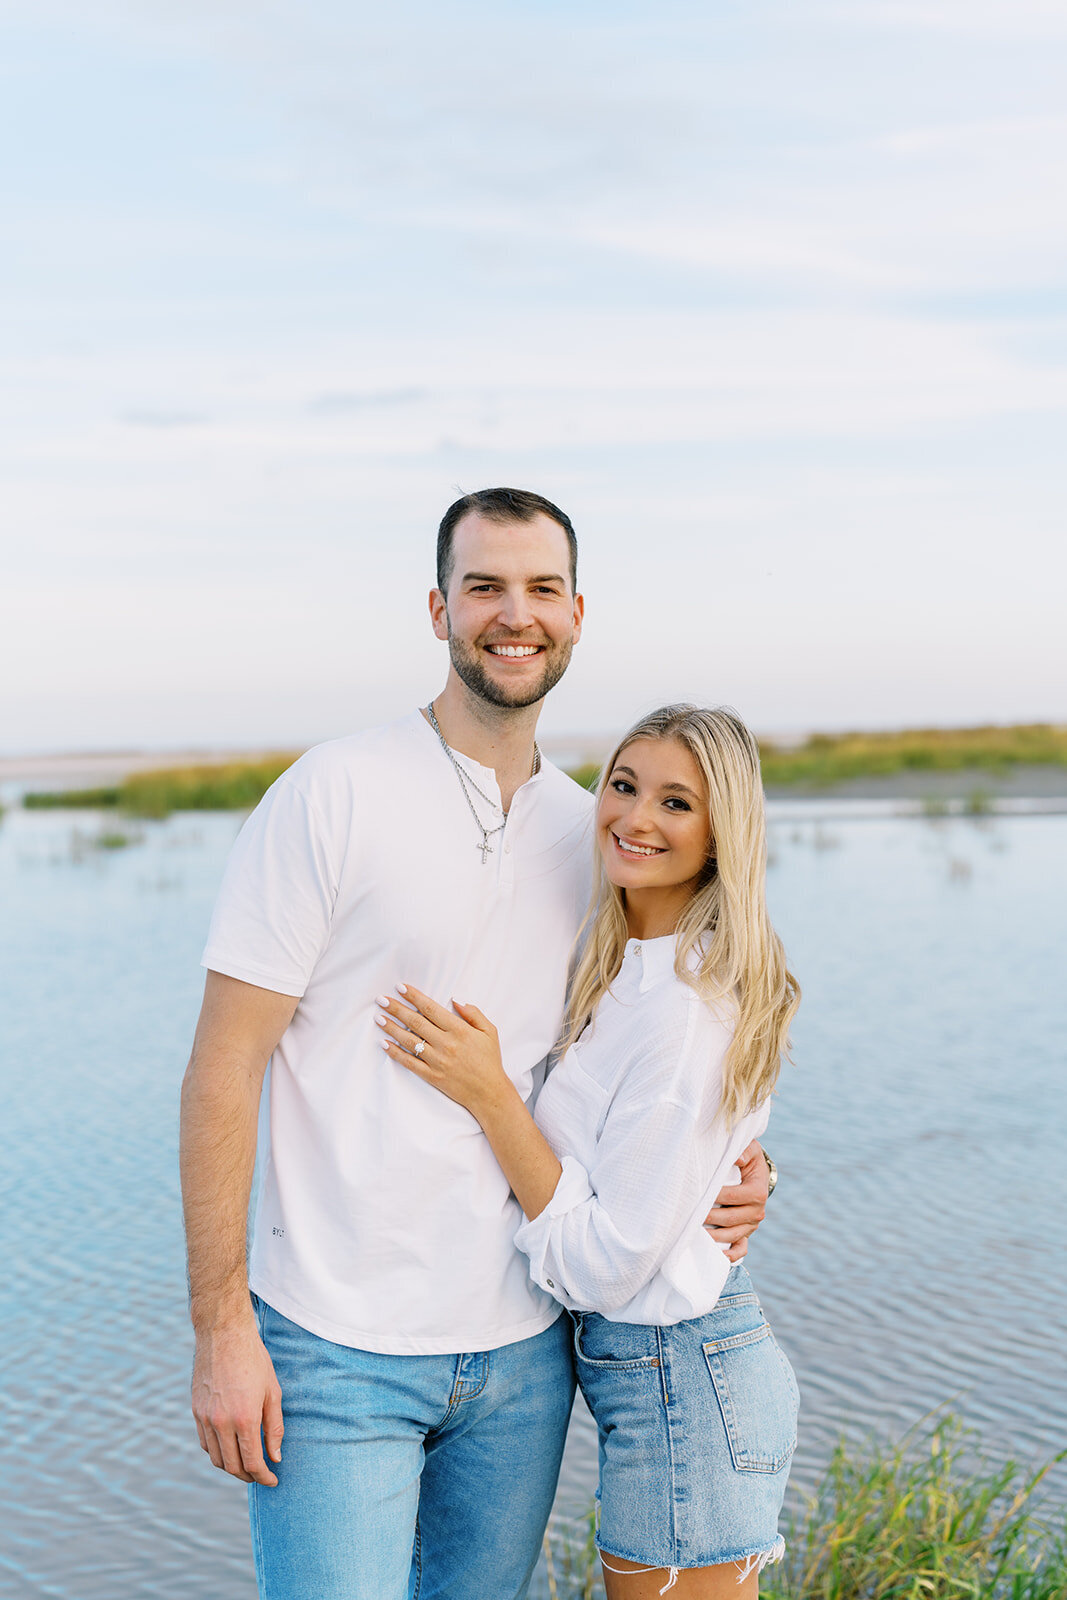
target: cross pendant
486 848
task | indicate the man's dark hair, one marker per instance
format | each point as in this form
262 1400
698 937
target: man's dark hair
500 505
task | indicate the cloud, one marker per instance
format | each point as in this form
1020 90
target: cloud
164 419
727 282
340 402
1012 18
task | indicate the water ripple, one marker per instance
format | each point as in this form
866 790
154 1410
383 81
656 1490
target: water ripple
914 1253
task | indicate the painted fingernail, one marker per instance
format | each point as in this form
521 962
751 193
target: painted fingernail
385 1044
382 1000
381 1021
401 988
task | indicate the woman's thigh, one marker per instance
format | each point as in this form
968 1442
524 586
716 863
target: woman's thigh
629 1581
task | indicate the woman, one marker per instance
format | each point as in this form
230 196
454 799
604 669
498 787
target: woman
678 1018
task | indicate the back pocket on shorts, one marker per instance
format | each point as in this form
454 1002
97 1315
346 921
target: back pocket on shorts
758 1398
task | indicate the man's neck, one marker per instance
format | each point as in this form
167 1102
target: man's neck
499 737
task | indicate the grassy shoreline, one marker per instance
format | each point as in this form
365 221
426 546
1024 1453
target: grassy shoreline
823 763
928 1518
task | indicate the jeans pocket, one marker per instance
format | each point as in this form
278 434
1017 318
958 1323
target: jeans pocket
758 1397
620 1345
259 1311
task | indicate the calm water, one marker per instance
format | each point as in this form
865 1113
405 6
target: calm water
916 1248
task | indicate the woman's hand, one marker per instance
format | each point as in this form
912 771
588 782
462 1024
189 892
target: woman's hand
456 1051
459 1053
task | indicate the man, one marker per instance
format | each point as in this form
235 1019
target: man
426 1382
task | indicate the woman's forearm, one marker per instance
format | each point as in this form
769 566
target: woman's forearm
525 1156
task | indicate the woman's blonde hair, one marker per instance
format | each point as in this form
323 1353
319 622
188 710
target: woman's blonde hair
738 954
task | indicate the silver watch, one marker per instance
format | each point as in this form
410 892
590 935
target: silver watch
773 1174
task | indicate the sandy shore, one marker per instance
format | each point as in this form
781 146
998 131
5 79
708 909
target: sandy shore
94 770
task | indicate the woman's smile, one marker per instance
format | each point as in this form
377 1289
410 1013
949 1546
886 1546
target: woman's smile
631 847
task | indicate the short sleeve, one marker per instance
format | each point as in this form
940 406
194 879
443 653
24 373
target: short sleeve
272 916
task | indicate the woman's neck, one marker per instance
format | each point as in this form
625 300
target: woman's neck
653 913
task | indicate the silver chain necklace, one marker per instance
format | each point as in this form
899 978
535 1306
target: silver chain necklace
467 783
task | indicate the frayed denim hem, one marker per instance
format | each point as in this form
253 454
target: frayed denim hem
758 1560
747 1564
626 1572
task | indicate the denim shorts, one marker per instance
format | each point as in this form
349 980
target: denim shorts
697 1424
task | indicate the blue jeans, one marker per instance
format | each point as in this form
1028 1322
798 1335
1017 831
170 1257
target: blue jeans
410 1477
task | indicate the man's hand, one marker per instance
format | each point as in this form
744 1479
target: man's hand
741 1207
236 1396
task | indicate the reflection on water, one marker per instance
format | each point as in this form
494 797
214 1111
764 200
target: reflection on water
915 1251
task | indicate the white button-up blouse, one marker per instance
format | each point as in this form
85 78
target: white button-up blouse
633 1113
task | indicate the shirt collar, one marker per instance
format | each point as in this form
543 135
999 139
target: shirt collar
480 774
654 958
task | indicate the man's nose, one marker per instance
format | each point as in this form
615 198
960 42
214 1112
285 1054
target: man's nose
516 611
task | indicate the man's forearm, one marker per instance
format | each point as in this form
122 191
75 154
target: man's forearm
220 1109
236 1399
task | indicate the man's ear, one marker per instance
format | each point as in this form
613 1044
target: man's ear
579 616
438 614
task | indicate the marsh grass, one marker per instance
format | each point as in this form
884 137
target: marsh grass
833 758
823 760
828 759
588 775
82 846
223 786
231 786
572 1563
979 803
925 1519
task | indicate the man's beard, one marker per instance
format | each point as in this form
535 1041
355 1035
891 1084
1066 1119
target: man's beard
471 671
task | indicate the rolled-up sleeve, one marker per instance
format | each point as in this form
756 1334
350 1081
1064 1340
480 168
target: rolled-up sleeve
607 1231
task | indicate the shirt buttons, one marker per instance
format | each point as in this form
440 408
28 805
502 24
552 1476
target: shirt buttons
637 949
551 1285
507 849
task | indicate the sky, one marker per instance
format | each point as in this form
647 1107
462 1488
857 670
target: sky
770 297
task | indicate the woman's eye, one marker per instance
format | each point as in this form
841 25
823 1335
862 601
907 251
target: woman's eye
621 786
678 805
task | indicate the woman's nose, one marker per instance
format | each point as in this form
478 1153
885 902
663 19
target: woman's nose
639 818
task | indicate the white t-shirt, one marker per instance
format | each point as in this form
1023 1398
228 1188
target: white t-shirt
632 1112
384 1221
